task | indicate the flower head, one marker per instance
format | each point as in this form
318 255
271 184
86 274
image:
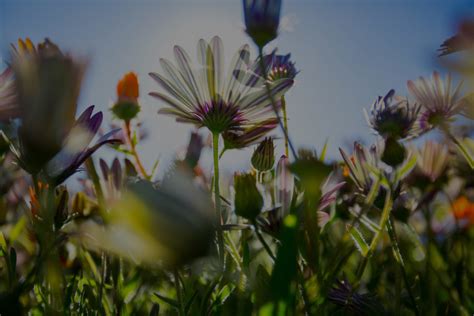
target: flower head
262 18
358 165
276 67
127 87
439 102
47 84
202 96
396 120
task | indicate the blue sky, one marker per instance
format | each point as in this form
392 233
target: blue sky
348 52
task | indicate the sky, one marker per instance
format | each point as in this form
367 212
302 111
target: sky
349 52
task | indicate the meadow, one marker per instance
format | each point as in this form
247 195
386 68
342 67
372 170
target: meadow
385 228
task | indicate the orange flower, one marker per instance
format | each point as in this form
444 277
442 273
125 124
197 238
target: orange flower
463 209
127 87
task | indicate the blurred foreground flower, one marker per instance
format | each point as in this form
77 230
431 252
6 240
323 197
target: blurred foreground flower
463 40
8 102
463 210
76 146
262 18
172 224
432 160
202 97
47 84
439 102
395 120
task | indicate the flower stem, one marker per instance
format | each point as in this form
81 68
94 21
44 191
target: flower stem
272 101
263 242
133 150
285 123
383 222
217 198
462 149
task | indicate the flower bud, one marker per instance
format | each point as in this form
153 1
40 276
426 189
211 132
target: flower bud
127 106
263 157
248 202
262 18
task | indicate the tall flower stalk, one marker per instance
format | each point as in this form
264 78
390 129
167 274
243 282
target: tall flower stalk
217 195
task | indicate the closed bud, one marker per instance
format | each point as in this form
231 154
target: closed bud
248 201
262 18
263 157
127 107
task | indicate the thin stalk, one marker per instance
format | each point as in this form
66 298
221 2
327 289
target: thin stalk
217 198
234 250
272 101
383 222
133 150
465 152
285 122
263 242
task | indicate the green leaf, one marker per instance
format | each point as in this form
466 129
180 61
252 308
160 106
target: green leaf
17 229
323 152
406 168
367 222
359 240
395 248
190 302
3 242
167 300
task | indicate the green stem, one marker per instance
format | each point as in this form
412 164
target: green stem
272 101
285 122
383 222
263 242
462 149
217 198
